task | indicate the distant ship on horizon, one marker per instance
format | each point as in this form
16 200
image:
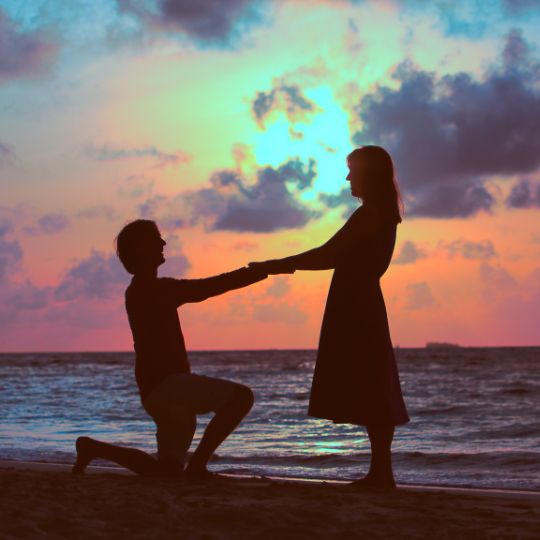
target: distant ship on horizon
442 345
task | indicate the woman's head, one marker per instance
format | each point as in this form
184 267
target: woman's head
139 246
372 178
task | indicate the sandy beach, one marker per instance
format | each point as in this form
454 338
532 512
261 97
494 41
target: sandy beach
52 504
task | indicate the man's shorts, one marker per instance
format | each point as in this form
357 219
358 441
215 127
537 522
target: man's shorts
174 404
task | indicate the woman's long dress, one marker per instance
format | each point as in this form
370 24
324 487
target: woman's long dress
356 379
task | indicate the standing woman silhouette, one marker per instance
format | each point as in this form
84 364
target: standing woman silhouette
356 379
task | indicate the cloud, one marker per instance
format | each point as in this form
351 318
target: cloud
483 250
498 282
233 204
344 197
281 312
448 134
207 23
6 153
283 97
174 266
409 253
162 159
279 287
419 296
495 276
524 195
100 211
135 186
23 54
28 296
48 224
99 276
515 7
244 245
11 253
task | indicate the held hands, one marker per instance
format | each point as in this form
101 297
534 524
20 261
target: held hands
274 266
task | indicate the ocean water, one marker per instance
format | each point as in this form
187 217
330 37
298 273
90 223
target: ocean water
474 414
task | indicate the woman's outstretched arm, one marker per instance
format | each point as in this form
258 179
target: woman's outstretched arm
325 257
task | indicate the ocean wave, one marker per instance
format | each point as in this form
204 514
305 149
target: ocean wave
503 459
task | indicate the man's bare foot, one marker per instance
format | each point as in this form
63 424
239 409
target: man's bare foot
371 482
201 474
84 454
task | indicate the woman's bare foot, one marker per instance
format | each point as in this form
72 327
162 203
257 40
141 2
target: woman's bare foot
84 455
372 482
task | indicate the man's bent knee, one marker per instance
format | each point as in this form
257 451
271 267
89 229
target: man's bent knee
243 396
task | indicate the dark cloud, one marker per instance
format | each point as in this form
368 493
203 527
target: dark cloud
409 253
208 23
233 204
419 296
483 250
23 54
460 200
99 276
344 197
448 134
11 253
524 194
28 296
163 159
283 97
268 205
48 224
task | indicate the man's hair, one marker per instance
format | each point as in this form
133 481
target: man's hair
129 238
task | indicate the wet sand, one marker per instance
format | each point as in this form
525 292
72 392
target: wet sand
55 504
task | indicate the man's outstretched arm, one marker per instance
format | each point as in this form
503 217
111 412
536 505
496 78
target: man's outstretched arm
197 290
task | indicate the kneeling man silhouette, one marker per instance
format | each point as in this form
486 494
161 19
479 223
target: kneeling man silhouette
170 393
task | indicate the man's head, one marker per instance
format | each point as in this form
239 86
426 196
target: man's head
140 247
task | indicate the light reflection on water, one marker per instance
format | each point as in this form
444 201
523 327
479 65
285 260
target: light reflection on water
473 413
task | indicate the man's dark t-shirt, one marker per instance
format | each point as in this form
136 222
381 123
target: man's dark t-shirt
151 305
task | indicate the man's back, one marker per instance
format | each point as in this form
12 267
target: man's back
157 336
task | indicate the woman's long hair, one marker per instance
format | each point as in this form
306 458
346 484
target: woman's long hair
381 184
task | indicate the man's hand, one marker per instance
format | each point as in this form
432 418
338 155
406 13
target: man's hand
275 266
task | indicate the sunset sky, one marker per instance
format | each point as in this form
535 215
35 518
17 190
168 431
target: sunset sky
228 123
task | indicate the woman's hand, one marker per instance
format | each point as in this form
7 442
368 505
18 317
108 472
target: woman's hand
275 266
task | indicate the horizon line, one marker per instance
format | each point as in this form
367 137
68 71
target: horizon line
396 347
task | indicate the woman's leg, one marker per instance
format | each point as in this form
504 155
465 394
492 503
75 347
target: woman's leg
380 474
135 460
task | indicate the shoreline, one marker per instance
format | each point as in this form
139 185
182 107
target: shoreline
53 467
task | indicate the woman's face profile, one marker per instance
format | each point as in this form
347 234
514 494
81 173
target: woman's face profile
357 177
